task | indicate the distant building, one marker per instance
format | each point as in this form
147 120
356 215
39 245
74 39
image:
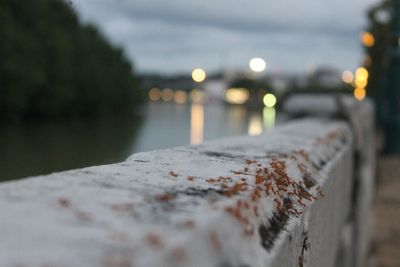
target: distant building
325 77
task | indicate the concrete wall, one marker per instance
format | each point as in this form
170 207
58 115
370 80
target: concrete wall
293 196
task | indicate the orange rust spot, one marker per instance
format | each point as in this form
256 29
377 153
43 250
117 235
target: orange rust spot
236 212
224 186
178 254
215 241
190 178
173 174
233 211
249 161
255 195
165 197
236 188
259 179
154 240
64 202
188 224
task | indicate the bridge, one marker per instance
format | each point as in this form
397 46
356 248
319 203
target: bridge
297 195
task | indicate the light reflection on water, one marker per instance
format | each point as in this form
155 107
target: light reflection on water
196 124
35 149
269 117
255 125
168 125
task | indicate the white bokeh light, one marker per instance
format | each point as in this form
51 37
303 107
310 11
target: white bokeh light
257 64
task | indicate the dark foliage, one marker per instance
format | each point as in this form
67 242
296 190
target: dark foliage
377 58
52 66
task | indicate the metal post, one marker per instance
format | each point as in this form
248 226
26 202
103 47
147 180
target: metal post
392 131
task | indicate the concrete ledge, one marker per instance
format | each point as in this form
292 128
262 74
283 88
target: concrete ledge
279 199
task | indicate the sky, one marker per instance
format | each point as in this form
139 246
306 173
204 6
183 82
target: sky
172 36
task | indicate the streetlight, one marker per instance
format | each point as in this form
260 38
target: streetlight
362 74
198 75
359 93
257 64
367 39
347 76
269 100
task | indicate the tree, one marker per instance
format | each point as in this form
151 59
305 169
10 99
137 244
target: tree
53 66
377 56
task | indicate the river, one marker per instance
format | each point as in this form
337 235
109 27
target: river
41 148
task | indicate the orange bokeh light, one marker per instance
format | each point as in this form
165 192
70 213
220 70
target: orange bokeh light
367 39
359 93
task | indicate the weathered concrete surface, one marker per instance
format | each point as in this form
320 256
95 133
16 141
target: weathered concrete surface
355 242
386 230
279 199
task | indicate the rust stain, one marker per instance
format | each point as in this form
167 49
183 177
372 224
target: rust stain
154 240
64 202
215 240
165 197
173 174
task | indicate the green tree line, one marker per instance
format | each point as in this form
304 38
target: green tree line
51 65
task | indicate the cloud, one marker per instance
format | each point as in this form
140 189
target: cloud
176 35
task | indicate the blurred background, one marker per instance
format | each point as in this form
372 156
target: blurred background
89 82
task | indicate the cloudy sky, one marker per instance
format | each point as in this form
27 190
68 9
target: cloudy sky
171 36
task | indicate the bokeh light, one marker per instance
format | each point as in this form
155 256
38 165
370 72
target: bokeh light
359 93
198 75
167 94
361 74
180 97
236 95
347 76
257 64
269 100
367 39
361 83
154 94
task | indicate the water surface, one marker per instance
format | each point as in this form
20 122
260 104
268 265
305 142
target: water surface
41 148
